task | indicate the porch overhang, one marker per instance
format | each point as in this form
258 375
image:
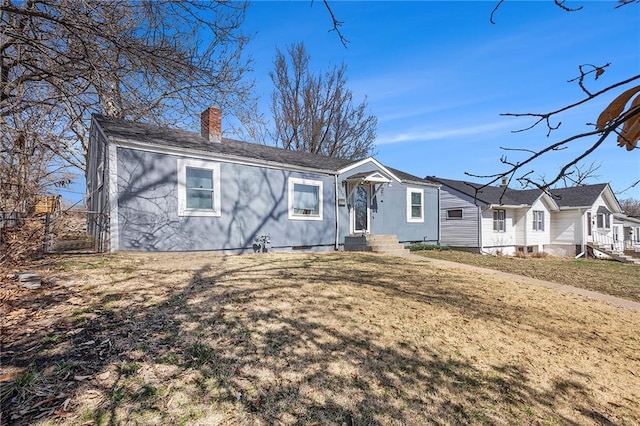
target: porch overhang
368 178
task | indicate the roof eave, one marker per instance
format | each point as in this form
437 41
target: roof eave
181 151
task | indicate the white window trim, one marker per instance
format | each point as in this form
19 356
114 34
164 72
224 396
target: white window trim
290 187
537 221
606 221
409 205
498 221
183 163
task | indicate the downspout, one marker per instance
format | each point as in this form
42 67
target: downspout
337 233
439 217
526 230
583 233
479 229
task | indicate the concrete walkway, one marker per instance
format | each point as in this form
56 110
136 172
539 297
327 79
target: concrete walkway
563 288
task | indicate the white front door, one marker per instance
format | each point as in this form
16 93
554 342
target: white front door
360 212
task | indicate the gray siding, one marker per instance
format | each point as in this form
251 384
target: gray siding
458 232
389 210
254 202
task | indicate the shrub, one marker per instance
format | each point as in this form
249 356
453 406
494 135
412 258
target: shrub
426 246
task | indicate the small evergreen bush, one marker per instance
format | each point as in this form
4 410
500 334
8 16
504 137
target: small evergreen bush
426 246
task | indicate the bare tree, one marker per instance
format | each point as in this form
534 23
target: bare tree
580 174
631 207
316 113
29 164
621 117
149 60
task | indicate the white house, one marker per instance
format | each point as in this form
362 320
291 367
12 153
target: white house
491 219
586 215
497 219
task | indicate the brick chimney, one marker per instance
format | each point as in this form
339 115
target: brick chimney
211 124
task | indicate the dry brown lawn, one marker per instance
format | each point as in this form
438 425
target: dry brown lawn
339 338
610 277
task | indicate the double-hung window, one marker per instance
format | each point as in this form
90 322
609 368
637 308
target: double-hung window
305 199
499 217
415 205
538 220
198 188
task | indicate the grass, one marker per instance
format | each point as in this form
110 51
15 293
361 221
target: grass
339 338
610 277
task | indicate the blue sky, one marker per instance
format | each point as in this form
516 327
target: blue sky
438 74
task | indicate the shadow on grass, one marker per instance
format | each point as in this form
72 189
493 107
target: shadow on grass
268 341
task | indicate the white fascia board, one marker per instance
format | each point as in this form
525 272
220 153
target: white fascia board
612 200
203 155
508 206
95 123
576 207
365 161
548 201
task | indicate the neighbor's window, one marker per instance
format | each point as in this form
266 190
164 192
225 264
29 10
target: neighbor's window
198 188
305 199
538 220
603 221
454 214
499 220
415 205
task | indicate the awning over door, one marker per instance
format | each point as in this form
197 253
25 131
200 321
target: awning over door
368 178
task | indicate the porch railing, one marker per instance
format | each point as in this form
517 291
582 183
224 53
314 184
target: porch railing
608 242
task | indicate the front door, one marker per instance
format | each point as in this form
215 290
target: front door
360 211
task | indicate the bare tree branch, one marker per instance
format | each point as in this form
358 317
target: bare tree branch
560 3
316 113
545 117
149 60
336 24
525 180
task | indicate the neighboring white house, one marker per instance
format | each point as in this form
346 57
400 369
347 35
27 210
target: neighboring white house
586 216
497 219
626 232
492 219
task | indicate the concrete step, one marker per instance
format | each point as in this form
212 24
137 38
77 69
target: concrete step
387 244
394 251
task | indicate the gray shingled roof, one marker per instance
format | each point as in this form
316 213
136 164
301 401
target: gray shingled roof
119 129
115 128
577 196
406 177
490 194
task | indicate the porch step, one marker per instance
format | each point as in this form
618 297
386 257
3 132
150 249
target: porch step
616 255
387 244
